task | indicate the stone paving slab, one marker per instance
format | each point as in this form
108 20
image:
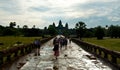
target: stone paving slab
74 58
45 65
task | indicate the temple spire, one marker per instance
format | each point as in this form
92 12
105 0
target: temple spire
60 24
66 25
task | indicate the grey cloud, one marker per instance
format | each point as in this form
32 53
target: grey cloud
40 9
104 13
100 7
10 6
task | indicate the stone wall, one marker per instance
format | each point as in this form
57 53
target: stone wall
109 56
10 55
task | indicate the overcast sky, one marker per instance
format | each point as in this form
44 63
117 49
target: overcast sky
44 12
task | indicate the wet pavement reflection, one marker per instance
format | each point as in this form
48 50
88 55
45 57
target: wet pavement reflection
72 58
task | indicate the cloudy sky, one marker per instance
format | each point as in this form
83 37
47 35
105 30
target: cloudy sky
44 12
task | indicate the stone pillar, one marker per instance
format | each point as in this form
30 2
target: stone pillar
114 59
92 49
9 57
30 48
33 47
105 55
1 58
27 49
95 50
99 52
22 51
16 54
87 48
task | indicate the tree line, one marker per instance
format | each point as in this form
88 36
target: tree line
14 30
112 31
24 31
80 30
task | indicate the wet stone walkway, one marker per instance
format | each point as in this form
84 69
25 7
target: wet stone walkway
72 58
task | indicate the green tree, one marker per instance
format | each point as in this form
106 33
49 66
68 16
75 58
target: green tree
33 26
119 31
9 31
80 29
18 26
89 33
45 31
1 30
12 24
52 30
114 31
25 27
99 32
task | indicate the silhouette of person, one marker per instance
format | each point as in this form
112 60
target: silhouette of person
37 46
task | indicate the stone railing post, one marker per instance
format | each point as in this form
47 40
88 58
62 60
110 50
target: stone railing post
8 57
105 55
16 53
27 49
99 52
22 51
114 59
1 58
30 48
87 48
91 49
95 50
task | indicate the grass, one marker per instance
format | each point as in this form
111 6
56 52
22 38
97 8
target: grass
112 44
9 41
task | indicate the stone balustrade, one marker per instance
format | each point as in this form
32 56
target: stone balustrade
14 53
109 56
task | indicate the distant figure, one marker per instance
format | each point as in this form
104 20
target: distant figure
61 42
70 40
65 42
37 46
54 40
56 47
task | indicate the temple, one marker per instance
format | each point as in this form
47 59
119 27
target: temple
60 28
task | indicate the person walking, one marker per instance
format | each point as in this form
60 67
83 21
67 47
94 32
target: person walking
61 42
56 47
65 42
37 46
70 40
